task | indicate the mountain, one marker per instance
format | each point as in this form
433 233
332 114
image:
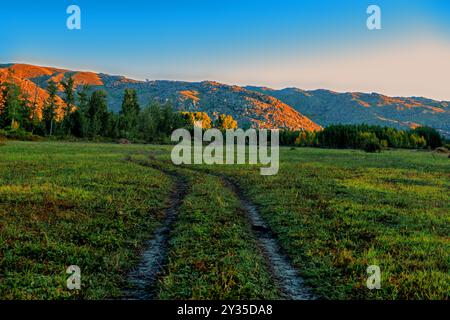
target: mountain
22 77
249 108
327 107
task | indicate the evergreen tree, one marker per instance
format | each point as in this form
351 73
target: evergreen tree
97 114
11 115
129 114
80 123
69 99
25 113
49 110
147 125
431 135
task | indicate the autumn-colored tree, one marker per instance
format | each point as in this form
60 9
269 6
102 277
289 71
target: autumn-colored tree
192 117
225 122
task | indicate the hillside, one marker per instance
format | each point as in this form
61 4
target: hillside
259 107
35 93
327 107
249 108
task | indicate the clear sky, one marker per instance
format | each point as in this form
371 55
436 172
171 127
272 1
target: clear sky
278 43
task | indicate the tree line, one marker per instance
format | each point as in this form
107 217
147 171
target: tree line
371 138
84 114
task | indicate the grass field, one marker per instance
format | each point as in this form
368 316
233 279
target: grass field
334 212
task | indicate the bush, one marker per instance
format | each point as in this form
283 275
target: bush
19 134
372 146
369 142
2 140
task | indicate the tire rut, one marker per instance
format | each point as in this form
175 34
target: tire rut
291 285
144 277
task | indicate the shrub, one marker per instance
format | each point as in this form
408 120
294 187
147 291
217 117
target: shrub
372 146
19 134
369 142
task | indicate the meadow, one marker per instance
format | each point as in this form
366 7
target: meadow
333 212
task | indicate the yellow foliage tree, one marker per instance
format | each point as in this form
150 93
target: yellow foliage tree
225 122
193 117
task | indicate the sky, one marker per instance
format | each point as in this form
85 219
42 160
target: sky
307 44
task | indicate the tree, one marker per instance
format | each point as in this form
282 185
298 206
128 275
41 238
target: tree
431 135
192 117
97 113
305 139
147 124
129 114
80 123
170 120
2 98
225 122
26 113
10 115
69 99
417 142
369 142
49 110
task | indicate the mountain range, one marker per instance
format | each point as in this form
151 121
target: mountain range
251 106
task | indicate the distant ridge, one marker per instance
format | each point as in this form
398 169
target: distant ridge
327 107
251 106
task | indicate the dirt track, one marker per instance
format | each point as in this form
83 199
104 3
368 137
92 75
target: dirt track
144 277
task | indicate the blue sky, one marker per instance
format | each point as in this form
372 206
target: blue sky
274 43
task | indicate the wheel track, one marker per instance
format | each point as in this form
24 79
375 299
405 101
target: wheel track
291 285
143 279
289 282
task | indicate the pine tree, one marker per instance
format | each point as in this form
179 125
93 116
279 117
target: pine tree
25 112
69 99
147 125
11 106
97 113
129 114
49 110
79 116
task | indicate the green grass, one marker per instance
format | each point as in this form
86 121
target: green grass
73 204
335 212
212 252
338 211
